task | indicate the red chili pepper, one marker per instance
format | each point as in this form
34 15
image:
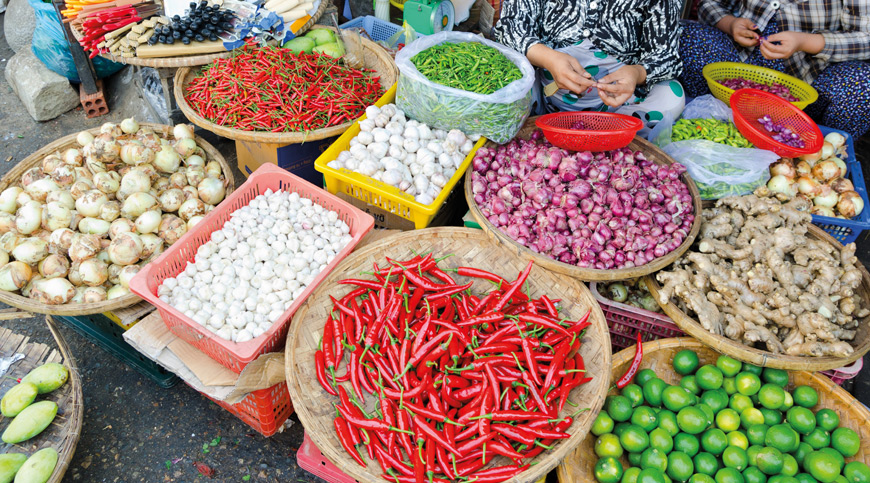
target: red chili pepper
514 288
341 428
635 364
320 367
434 435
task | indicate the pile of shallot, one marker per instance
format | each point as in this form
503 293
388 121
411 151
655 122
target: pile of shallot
605 210
773 88
781 133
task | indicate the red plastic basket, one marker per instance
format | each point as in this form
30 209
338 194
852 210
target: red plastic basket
264 410
310 459
602 131
236 356
626 321
750 104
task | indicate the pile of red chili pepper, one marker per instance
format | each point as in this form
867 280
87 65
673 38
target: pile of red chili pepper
459 379
273 89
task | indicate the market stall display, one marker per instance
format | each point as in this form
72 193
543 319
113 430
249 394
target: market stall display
532 216
626 322
79 210
761 275
771 123
468 248
835 410
740 75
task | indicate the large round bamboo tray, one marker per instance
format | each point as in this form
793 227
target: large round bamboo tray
653 153
658 354
764 358
376 58
63 433
13 177
469 247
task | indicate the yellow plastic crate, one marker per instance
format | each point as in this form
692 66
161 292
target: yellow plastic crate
717 71
373 192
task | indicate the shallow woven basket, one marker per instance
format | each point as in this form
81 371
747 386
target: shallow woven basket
376 58
469 247
13 177
763 358
653 153
657 355
63 433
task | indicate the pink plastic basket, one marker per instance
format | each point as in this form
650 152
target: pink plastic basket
838 376
626 321
264 410
236 356
310 459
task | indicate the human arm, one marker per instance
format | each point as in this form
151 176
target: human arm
783 45
852 41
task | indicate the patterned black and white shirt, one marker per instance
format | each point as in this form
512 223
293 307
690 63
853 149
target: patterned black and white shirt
638 32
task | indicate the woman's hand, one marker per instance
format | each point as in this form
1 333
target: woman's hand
565 69
784 44
616 88
740 29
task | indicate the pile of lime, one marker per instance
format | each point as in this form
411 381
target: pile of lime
724 423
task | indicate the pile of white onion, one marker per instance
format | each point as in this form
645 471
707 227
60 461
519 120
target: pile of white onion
249 273
820 177
79 226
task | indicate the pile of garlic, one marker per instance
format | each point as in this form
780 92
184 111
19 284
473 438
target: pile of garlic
251 271
405 153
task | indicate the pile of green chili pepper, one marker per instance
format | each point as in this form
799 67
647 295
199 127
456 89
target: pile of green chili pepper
470 66
711 130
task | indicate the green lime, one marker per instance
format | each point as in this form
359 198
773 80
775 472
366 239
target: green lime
692 420
788 402
752 454
620 428
846 441
728 420
756 433
805 396
841 462
651 475
603 424
753 475
619 408
729 384
685 362
857 472
634 439
652 391
608 470
827 419
701 478
817 439
646 418
747 383
680 466
714 441
717 399
769 460
801 419
687 443
789 465
729 475
771 416
803 450
634 393
661 440
734 457
608 445
706 463
750 417
770 396
729 366
708 412
709 377
653 458
630 475
805 478
690 384
634 459
738 438
781 479
782 437
740 403
643 376
841 479
668 422
823 467
676 398
778 377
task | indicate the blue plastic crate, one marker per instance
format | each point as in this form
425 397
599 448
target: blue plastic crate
375 27
847 231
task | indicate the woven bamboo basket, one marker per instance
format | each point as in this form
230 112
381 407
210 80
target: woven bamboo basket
63 433
469 247
653 153
376 58
12 179
764 358
657 355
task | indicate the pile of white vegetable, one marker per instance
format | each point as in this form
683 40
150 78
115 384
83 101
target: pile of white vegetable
404 153
80 225
251 271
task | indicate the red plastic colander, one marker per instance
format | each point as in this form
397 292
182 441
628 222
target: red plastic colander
599 131
750 104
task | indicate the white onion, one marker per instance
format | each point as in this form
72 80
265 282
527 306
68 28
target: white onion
136 204
72 157
135 181
194 174
823 211
110 211
825 171
92 295
171 199
73 275
39 189
7 222
121 225
129 126
808 186
80 187
840 164
94 226
61 240
181 131
51 163
836 140
213 169
171 228
55 216
89 203
148 222
53 291
827 150
167 160
8 198
14 275
84 247
211 191
128 273
116 291
193 221
185 147
64 176
4 258
94 272
84 138
53 266
841 185
178 180
62 197
31 251
125 249
826 198
191 208
850 204
8 241
29 217
151 245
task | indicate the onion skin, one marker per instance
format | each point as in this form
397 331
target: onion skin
842 185
171 228
84 247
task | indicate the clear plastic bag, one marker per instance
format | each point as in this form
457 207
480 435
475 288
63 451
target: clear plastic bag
497 116
708 107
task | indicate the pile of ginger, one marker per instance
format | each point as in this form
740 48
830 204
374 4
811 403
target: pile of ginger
755 276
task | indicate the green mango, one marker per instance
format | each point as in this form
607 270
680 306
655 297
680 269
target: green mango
321 36
300 45
47 377
30 422
9 465
18 398
38 468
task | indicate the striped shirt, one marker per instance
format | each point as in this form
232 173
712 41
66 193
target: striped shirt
845 25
